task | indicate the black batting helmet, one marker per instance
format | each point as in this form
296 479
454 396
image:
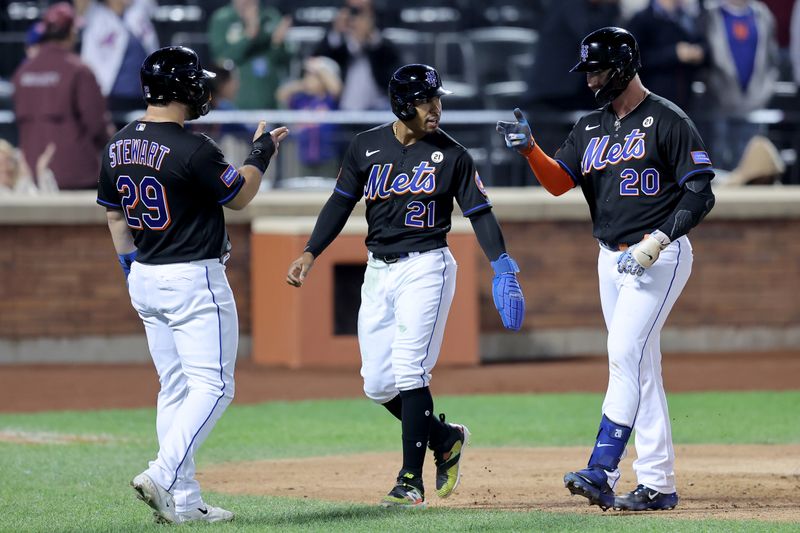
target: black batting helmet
610 48
413 82
174 73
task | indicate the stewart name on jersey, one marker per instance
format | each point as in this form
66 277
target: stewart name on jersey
409 190
171 185
632 171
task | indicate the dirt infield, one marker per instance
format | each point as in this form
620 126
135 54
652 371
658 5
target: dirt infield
28 388
723 482
728 482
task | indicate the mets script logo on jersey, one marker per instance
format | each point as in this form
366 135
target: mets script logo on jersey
381 185
598 153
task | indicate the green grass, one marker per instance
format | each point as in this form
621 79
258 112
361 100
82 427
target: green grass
83 486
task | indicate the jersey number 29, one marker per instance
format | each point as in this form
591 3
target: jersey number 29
153 197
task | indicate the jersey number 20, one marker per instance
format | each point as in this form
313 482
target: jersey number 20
629 186
153 197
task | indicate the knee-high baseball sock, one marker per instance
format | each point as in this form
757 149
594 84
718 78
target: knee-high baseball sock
440 432
416 422
395 406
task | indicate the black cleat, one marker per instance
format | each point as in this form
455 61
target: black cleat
644 499
592 484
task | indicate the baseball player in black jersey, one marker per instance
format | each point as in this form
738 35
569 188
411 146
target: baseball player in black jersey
646 177
164 188
409 171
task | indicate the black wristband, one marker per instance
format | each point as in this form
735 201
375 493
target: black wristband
262 151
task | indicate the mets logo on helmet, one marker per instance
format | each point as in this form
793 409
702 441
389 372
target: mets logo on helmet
584 52
430 77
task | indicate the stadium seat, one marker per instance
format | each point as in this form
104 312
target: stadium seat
414 46
495 46
454 58
431 18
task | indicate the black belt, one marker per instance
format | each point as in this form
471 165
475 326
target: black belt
391 258
614 247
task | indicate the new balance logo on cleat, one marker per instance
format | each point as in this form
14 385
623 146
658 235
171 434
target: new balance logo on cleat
408 493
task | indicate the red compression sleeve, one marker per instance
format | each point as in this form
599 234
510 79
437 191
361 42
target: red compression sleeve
547 170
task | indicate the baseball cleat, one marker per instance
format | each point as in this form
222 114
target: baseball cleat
645 499
592 484
156 497
448 463
207 513
408 493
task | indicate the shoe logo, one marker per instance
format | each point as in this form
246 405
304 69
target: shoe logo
370 153
204 511
592 127
603 445
652 495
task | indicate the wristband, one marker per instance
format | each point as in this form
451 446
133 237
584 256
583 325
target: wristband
262 151
504 264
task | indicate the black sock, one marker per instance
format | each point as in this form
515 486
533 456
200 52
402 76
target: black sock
416 421
395 406
440 433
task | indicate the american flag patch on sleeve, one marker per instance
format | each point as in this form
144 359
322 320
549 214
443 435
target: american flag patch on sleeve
701 158
229 176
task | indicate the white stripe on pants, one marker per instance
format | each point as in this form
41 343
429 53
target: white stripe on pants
191 323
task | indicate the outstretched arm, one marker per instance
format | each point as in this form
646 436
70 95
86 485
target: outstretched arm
329 224
547 170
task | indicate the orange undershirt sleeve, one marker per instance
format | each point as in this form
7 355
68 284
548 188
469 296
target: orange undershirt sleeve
550 174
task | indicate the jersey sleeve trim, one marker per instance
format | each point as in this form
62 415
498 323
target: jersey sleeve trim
693 172
109 204
345 193
234 192
477 208
568 171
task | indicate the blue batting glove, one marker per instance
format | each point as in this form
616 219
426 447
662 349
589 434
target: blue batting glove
627 264
126 260
516 134
506 292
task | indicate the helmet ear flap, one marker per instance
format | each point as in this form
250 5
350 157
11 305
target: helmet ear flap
408 112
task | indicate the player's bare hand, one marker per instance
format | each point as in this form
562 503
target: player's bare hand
299 269
278 134
516 134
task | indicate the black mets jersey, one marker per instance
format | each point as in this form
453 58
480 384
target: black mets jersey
632 170
171 185
409 190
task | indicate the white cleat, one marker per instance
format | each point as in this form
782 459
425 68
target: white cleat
205 514
153 495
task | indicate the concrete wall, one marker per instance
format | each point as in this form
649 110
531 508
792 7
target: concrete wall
62 295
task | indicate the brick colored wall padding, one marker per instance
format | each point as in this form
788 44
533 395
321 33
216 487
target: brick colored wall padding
293 327
64 280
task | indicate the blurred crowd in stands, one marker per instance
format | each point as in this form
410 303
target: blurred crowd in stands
70 73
